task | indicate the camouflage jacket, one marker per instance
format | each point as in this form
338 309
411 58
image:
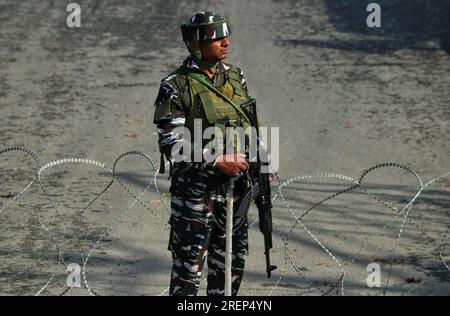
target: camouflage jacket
176 101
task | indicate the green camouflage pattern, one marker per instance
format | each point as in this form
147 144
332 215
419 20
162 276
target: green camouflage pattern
182 99
215 111
201 27
197 234
205 26
198 190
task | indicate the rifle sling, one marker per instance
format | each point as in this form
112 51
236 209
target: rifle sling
198 77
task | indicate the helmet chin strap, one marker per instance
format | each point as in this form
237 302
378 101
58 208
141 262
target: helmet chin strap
196 54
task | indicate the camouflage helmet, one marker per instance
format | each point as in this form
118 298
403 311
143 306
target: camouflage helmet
205 26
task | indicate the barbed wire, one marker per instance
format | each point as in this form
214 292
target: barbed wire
40 171
355 185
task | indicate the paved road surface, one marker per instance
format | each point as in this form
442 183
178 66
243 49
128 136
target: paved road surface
345 98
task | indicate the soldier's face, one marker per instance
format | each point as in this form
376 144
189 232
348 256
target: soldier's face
215 50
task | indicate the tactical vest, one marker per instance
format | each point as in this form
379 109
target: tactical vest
213 109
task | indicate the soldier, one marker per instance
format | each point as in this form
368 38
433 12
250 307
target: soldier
198 189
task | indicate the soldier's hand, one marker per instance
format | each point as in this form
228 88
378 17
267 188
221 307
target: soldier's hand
231 164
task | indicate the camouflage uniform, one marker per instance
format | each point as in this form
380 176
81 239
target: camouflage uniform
198 206
198 191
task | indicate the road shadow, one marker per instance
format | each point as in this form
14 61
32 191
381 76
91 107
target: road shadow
404 23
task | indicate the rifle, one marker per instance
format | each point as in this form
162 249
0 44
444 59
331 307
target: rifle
263 197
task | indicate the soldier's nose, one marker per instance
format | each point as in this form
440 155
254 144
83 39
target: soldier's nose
225 42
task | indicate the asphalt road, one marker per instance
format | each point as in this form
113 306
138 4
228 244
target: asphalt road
345 98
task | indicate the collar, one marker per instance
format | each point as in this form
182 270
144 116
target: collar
189 62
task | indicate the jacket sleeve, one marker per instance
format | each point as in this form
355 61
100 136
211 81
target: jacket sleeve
168 115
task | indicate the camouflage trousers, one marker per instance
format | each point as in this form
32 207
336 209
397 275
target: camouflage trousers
198 234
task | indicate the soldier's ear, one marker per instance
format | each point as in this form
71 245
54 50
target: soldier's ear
193 45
